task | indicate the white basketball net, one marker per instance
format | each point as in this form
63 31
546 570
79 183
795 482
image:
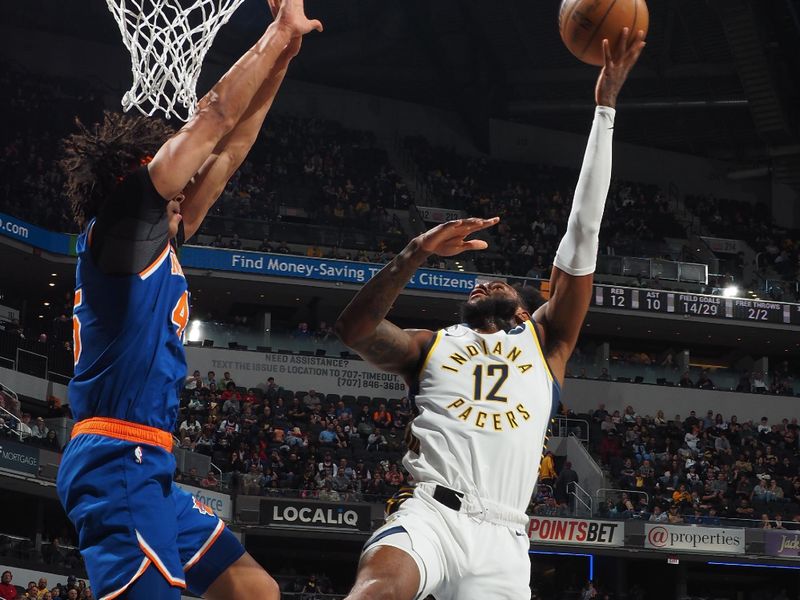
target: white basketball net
168 40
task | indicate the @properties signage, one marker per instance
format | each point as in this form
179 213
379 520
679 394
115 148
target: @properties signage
694 539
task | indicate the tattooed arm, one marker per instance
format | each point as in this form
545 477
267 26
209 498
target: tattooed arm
363 327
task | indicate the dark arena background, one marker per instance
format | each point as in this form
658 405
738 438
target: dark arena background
678 418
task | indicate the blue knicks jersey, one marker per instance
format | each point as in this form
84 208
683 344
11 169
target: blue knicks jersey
127 337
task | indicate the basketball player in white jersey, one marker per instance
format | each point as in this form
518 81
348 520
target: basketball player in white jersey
484 393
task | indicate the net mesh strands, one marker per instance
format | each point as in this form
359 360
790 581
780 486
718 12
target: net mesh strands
168 40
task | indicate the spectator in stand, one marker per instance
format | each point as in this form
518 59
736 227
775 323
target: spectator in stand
589 592
681 497
567 476
547 469
190 427
24 426
364 423
704 383
327 464
744 510
41 587
763 426
343 413
302 332
272 390
550 508
210 481
674 517
50 442
7 588
297 413
39 429
312 400
232 399
685 380
376 441
382 417
599 415
194 381
327 437
393 477
608 425
658 515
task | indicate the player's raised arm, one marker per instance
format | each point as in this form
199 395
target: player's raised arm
227 103
574 265
362 325
231 151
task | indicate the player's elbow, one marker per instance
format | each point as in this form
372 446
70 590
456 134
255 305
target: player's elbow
272 590
583 229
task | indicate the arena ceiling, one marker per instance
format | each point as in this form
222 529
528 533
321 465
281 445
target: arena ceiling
719 77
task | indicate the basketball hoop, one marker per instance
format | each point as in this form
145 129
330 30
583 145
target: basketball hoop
168 40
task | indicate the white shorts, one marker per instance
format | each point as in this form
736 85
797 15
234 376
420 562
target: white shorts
458 556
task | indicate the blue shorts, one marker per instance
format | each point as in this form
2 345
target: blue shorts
132 518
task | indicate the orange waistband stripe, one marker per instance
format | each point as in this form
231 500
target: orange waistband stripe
124 430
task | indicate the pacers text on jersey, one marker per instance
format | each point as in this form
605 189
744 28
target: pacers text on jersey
481 348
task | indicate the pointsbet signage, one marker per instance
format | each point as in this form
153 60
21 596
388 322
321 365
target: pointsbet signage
576 531
318 515
693 538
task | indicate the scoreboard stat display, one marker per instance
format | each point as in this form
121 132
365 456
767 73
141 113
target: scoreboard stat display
695 305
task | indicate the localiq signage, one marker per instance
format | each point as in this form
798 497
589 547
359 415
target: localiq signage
278 512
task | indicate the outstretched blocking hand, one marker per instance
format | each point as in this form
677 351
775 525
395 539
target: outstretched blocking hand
290 15
448 239
617 66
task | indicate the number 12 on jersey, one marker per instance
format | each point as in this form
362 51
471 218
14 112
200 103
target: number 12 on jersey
497 374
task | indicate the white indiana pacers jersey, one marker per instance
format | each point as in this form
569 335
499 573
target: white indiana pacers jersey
485 401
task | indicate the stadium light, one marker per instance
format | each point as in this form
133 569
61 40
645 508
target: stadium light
730 291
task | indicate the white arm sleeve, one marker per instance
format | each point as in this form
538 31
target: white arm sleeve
577 253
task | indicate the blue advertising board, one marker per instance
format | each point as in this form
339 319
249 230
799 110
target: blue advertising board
17 229
301 267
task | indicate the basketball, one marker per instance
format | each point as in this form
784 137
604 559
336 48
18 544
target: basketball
585 23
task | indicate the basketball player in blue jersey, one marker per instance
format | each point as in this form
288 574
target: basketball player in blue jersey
140 535
484 392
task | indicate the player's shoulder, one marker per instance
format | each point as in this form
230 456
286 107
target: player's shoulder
462 329
457 330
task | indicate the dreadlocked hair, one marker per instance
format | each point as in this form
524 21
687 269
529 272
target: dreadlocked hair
97 158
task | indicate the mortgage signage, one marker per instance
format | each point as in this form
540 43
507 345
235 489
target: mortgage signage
693 539
19 457
576 531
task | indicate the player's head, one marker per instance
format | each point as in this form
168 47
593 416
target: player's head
498 303
97 158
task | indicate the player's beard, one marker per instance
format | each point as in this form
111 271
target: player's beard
490 310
